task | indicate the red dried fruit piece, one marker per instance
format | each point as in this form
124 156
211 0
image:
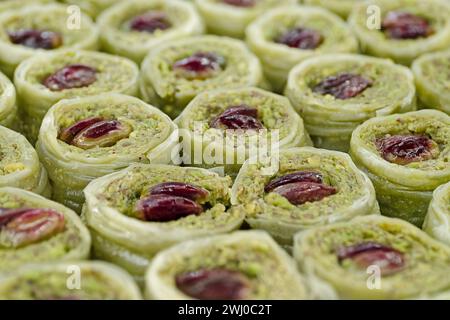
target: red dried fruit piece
104 133
19 227
213 284
70 132
366 254
36 39
404 25
150 22
240 3
200 65
343 86
238 117
180 189
301 38
71 76
404 149
300 176
7 214
236 122
301 192
241 110
163 208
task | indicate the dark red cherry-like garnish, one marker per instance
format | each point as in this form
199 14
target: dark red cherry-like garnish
405 149
200 65
70 132
343 86
238 117
301 192
300 176
405 25
23 226
240 3
150 22
180 189
301 38
70 77
36 39
213 284
170 201
301 187
95 132
366 254
163 208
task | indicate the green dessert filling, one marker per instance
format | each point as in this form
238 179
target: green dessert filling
11 158
53 286
14 4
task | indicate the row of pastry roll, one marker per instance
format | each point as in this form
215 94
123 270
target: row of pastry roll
253 111
329 262
272 28
174 204
176 70
187 210
333 261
